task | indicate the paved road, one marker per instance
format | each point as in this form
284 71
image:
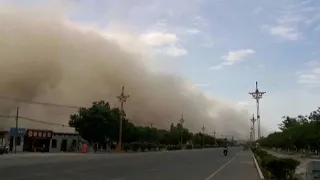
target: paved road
207 164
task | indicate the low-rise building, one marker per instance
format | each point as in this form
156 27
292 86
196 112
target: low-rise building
35 140
64 142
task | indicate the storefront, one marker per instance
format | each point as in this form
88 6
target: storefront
37 140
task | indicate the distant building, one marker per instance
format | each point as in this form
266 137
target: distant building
65 142
35 140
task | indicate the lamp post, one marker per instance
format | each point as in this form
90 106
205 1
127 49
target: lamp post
253 130
122 99
257 95
181 130
203 129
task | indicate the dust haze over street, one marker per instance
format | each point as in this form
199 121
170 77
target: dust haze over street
48 58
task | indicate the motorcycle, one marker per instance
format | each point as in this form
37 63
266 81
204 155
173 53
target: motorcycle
225 152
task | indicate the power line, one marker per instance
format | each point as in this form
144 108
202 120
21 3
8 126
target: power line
36 120
40 103
44 122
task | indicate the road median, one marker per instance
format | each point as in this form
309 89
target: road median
275 167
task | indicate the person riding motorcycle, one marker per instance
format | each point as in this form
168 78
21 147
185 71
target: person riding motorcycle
225 150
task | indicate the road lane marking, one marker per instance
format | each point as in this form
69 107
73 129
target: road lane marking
222 167
153 169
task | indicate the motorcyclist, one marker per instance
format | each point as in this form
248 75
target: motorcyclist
225 149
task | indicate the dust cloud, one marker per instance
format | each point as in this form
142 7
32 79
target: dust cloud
45 58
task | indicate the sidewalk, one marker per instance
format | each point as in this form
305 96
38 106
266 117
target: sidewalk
299 154
241 168
35 154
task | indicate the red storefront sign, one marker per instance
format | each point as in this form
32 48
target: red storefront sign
39 134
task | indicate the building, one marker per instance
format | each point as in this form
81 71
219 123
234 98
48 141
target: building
64 142
36 140
3 137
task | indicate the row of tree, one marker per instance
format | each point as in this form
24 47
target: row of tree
100 124
297 133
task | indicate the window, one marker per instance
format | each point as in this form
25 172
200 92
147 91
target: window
54 143
18 141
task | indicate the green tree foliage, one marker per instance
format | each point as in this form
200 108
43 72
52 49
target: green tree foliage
101 122
297 133
274 167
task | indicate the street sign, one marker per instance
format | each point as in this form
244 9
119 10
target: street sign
39 134
20 132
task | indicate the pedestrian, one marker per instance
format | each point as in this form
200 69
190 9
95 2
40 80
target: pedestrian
43 148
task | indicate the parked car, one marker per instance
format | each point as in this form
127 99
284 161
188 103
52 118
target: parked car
4 149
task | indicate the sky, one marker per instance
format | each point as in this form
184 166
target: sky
222 46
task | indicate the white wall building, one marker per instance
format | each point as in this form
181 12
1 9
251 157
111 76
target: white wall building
64 142
5 140
10 141
59 141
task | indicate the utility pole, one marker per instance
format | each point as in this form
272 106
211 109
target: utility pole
232 141
257 95
122 99
203 129
16 133
214 136
181 130
253 131
251 134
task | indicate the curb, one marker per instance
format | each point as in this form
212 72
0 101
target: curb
258 168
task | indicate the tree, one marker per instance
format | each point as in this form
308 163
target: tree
100 122
287 123
96 123
298 133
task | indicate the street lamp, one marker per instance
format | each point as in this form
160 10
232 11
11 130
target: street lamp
122 99
257 95
203 129
253 131
181 130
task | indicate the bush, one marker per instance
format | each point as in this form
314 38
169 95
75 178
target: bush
161 146
173 147
197 146
113 146
152 146
189 146
135 146
143 147
126 147
280 168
